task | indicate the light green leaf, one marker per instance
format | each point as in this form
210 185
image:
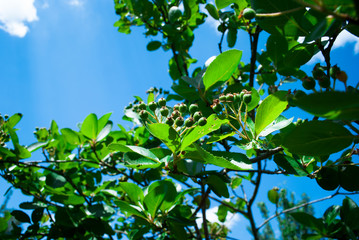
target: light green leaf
35 146
213 123
103 121
131 210
280 123
222 68
105 131
225 3
219 137
317 138
271 107
13 120
71 136
235 161
166 134
89 126
331 105
139 150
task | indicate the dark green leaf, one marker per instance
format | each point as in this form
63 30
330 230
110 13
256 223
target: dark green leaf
133 191
212 10
290 165
218 186
317 138
153 45
308 220
55 180
331 105
21 216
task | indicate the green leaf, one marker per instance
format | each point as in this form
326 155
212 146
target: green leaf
133 191
103 121
13 120
331 213
137 161
299 55
54 129
218 186
100 210
222 68
161 195
55 180
33 147
89 126
21 216
219 137
225 3
153 45
280 123
235 161
166 134
290 165
71 136
308 220
213 123
105 131
139 150
37 215
271 107
317 138
277 47
22 152
212 10
331 105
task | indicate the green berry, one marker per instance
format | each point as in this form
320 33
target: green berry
237 97
179 121
176 107
182 108
170 121
197 116
229 97
142 106
249 13
324 82
308 83
176 114
217 108
241 95
162 102
318 72
334 71
222 98
152 106
189 122
174 14
143 114
193 108
164 111
202 121
247 98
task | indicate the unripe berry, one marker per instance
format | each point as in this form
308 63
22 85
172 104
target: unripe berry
176 114
193 108
176 107
189 122
222 98
324 82
241 94
197 116
318 72
143 114
142 106
229 97
308 83
249 13
202 121
182 108
164 111
179 121
217 108
170 121
162 102
247 98
334 71
237 97
152 106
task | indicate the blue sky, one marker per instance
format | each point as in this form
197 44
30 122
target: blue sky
64 59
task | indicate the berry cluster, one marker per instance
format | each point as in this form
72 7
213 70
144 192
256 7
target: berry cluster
174 118
232 100
4 137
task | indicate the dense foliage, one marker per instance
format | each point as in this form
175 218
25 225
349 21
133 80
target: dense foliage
228 120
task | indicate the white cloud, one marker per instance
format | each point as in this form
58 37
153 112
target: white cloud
211 214
76 3
15 14
342 40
